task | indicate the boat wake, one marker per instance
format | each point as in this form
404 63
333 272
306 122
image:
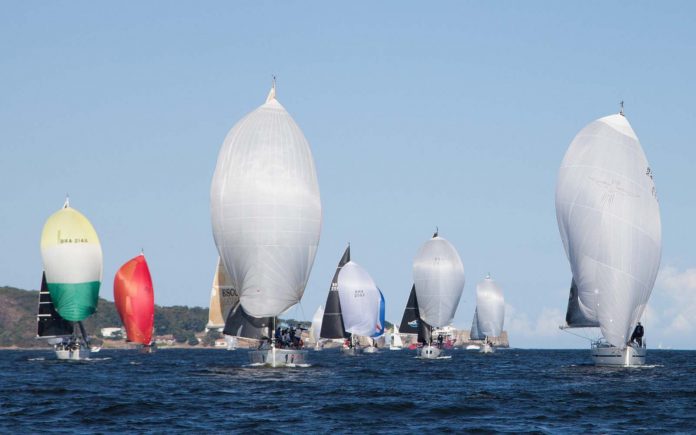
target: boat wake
439 357
289 365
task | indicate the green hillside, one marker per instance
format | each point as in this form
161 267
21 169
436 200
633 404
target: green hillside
18 319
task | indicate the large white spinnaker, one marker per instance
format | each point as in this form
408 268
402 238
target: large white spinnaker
490 308
266 210
438 274
609 220
360 300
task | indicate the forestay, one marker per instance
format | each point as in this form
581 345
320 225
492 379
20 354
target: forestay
609 221
360 300
438 274
266 210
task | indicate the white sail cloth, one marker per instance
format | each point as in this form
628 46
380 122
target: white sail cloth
490 308
360 300
266 209
609 220
316 323
438 274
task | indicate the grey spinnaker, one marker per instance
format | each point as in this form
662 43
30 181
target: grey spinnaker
609 220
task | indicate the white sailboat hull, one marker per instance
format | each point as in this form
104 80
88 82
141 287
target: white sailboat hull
351 351
78 354
370 349
395 348
486 348
604 354
430 352
278 357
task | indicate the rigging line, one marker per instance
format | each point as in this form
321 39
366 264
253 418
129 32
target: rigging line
577 335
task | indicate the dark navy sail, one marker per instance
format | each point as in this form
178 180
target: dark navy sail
48 321
332 323
240 324
575 316
409 322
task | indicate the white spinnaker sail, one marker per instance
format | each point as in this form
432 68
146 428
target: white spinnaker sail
438 274
490 308
266 210
360 300
316 323
609 220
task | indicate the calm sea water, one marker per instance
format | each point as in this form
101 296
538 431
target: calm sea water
543 391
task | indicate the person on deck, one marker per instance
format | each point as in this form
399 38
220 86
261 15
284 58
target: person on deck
637 335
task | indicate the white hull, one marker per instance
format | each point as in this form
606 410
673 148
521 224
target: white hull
430 352
486 348
278 357
370 349
78 354
607 355
473 347
352 351
395 348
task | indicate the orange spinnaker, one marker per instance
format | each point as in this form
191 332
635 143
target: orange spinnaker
135 299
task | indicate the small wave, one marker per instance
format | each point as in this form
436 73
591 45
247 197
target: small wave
37 359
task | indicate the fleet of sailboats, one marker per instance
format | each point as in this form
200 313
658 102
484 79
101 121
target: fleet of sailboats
609 220
266 217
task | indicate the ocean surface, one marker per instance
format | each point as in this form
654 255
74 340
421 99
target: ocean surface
195 391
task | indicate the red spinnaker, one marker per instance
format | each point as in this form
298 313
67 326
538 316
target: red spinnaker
135 299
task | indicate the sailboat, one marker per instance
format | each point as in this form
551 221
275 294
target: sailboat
354 307
438 275
315 333
266 218
609 220
134 297
411 322
396 342
72 260
489 315
332 326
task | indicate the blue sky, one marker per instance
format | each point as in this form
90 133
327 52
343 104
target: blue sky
456 115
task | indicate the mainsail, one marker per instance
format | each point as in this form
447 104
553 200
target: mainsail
360 301
316 324
438 274
223 297
332 323
411 317
134 297
266 210
241 324
490 308
475 333
578 315
48 321
72 259
609 221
